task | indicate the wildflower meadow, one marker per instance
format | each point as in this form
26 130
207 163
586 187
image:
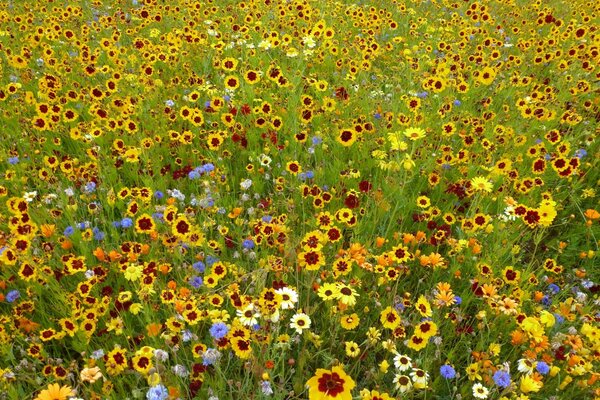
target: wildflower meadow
299 199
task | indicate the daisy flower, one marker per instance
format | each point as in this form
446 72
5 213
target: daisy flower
300 322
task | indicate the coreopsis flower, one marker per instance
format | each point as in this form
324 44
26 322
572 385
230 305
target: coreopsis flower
330 384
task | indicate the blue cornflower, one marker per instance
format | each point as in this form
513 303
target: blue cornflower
159 195
90 187
547 301
199 266
219 330
98 234
248 244
554 288
210 260
13 160
158 392
69 231
193 174
196 282
310 174
559 318
12 295
447 371
458 300
126 223
316 140
267 218
116 224
502 379
377 116
457 102
207 103
542 367
580 153
209 167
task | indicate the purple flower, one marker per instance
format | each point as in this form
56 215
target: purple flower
502 379
554 288
196 282
210 260
447 371
13 160
248 244
159 195
12 295
199 266
68 231
158 392
542 368
218 330
90 187
126 223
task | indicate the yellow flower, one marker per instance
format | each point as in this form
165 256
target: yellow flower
528 384
547 319
423 307
90 375
383 366
55 392
480 183
414 133
352 349
330 384
133 272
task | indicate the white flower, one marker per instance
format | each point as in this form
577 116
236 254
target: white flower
525 366
300 322
245 184
309 41
265 45
29 196
289 297
419 377
402 362
248 316
480 391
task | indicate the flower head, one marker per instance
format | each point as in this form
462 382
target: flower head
330 384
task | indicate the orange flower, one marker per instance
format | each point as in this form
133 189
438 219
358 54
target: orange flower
28 325
48 229
99 253
153 329
592 214
113 255
517 337
66 244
